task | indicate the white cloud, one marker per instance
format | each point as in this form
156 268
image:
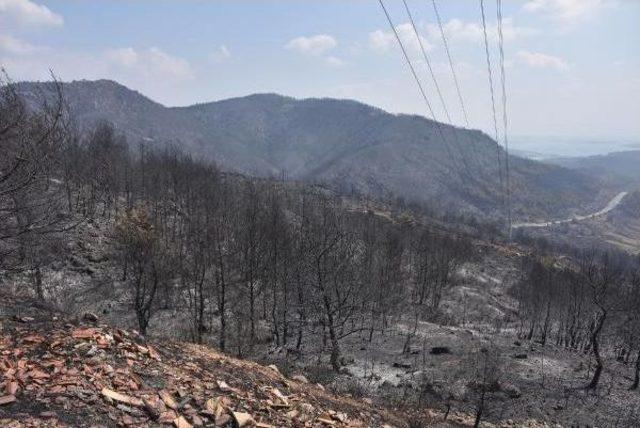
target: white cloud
317 46
222 54
167 64
458 30
334 62
152 62
382 41
126 57
26 12
11 45
565 11
314 45
151 71
540 60
466 31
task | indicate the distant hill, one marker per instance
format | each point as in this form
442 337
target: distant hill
624 164
346 144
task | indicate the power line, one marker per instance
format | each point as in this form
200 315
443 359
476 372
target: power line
504 111
493 101
426 60
437 86
408 61
458 90
453 71
417 79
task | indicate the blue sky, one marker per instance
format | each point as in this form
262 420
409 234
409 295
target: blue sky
573 66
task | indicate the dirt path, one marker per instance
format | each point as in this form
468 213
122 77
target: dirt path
611 205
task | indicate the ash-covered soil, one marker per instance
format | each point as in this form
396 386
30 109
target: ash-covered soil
535 385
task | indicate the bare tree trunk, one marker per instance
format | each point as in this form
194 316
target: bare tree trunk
595 347
545 328
636 379
38 280
222 295
480 409
200 309
274 315
372 326
335 346
406 349
302 316
285 327
222 301
252 314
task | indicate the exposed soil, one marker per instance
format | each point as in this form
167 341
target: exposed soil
60 373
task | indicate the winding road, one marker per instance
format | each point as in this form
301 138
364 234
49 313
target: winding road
611 205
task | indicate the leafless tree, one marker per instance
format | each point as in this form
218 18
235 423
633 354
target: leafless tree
601 274
31 207
138 240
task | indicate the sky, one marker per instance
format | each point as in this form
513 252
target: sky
572 67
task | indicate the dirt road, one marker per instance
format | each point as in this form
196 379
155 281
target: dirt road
611 205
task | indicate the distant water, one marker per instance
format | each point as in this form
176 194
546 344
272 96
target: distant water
546 147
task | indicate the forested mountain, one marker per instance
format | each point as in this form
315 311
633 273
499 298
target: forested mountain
347 144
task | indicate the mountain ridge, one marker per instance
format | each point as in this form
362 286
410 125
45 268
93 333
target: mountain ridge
347 144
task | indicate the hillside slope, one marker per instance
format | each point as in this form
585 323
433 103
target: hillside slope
344 143
55 373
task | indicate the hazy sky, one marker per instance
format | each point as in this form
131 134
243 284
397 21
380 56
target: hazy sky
573 66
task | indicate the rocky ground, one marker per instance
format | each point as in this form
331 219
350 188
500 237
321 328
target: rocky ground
60 373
